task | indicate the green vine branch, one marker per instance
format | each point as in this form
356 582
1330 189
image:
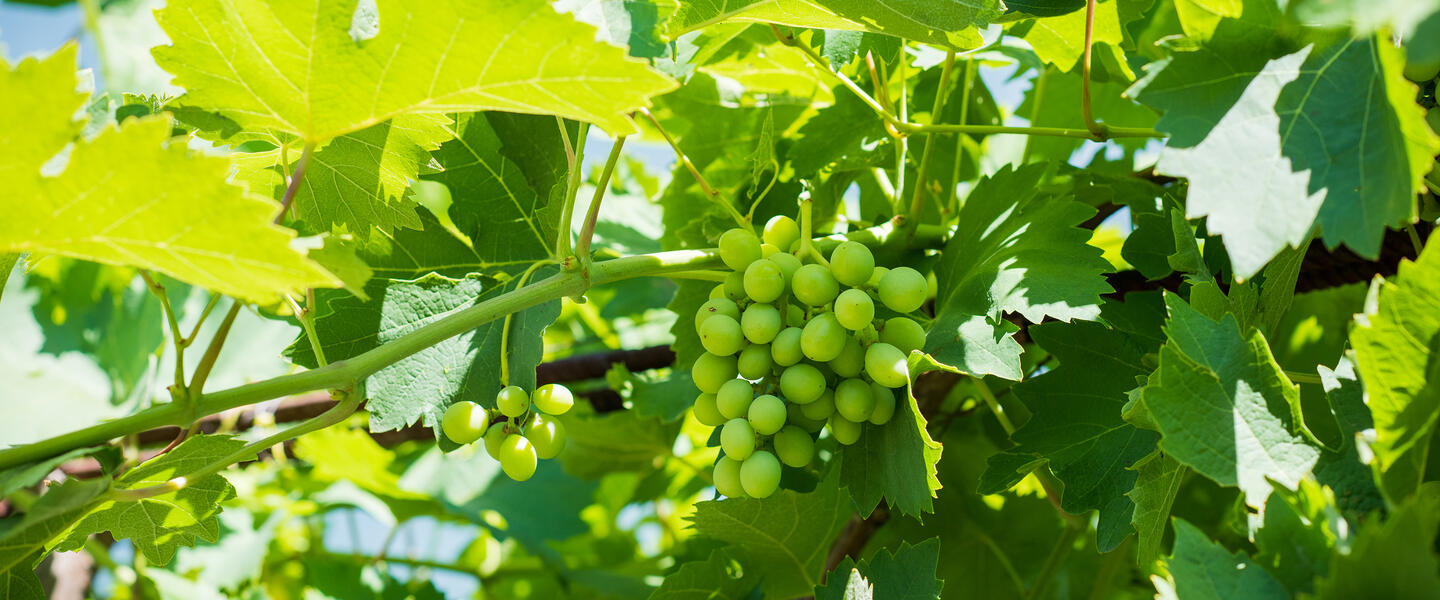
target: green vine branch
574 156
592 216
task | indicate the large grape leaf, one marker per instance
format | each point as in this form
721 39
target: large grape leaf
411 253
1396 343
906 574
297 68
943 22
420 387
1157 481
1390 559
160 524
1076 421
1203 570
1060 40
1342 469
715 578
340 454
1297 533
784 537
896 460
1416 22
1015 251
1276 141
597 444
1224 408
23 544
132 196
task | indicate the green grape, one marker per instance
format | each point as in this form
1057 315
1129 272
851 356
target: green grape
875 277
903 289
1416 71
554 399
716 306
851 360
739 248
727 478
786 347
494 437
885 364
814 285
782 231
760 474
546 434
1432 117
517 457
768 250
735 286
823 338
711 371
720 335
903 333
737 439
707 412
755 361
843 430
854 309
794 316
464 422
734 398
854 400
884 404
822 407
766 414
794 447
802 383
764 281
760 323
852 263
717 292
795 415
787 262
512 401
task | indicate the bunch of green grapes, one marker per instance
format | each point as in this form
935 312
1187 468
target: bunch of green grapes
521 429
794 347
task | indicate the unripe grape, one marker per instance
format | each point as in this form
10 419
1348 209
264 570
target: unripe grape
802 383
764 281
795 416
884 404
875 277
782 231
716 306
737 439
554 399
464 422
885 364
843 430
1421 71
707 412
852 263
760 323
903 333
720 335
739 248
547 434
786 347
768 250
787 262
493 438
735 286
711 371
823 338
851 361
734 398
727 478
794 447
766 414
903 289
854 400
518 458
794 316
760 474
755 361
854 309
717 292
821 408
814 285
512 401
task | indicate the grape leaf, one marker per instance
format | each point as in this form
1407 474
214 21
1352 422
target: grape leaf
420 387
616 441
25 543
294 68
1199 18
1076 423
1224 408
714 578
1414 21
784 537
351 455
843 136
1276 142
896 460
945 22
127 197
1157 481
1296 535
7 264
1204 570
412 253
1015 251
906 574
160 524
1390 559
1060 40
1396 342
1063 90
1342 469
666 398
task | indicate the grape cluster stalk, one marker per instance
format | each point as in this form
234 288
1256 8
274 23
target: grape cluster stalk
796 347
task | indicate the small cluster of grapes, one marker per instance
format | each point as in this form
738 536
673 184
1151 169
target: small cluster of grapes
521 430
808 355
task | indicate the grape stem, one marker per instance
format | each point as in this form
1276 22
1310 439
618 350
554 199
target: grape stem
307 322
159 290
917 204
574 156
807 245
587 231
1096 128
505 327
711 193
